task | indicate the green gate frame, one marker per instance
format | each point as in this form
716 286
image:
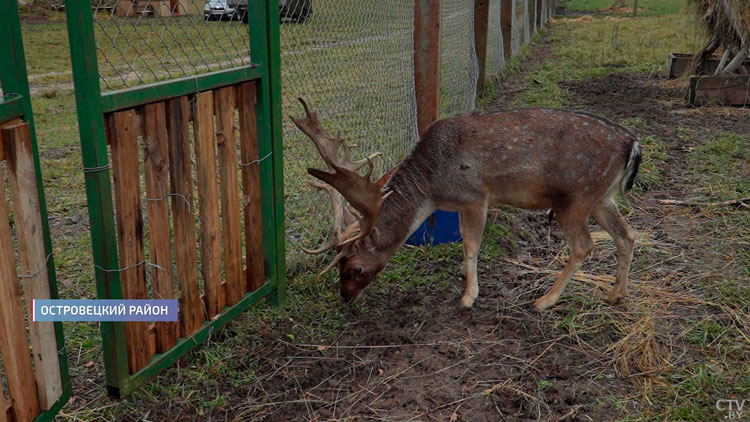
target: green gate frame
14 81
91 106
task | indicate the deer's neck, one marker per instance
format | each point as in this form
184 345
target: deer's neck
406 208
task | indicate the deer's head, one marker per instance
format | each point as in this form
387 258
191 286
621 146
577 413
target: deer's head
354 237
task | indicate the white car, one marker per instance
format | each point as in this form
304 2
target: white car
219 9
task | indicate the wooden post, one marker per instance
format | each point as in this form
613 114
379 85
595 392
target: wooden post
181 178
506 25
156 163
14 346
28 219
481 22
251 205
635 8
125 167
226 140
532 17
208 201
427 61
539 7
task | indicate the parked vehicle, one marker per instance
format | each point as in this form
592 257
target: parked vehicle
289 10
219 9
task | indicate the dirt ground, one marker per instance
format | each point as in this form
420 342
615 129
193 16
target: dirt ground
422 357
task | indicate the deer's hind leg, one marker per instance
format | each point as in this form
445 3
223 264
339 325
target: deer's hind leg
575 224
608 217
471 222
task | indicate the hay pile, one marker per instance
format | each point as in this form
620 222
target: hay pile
728 22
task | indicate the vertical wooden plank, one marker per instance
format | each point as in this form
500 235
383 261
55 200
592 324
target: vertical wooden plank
225 103
131 253
19 155
156 163
208 200
13 343
3 406
506 26
255 272
532 17
427 62
481 23
181 178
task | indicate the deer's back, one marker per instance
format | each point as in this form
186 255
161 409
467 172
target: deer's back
529 158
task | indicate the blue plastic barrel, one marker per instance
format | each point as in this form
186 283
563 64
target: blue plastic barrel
440 227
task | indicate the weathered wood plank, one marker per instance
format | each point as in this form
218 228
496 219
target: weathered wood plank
11 122
255 272
226 140
181 178
208 200
13 343
3 405
720 90
28 218
156 163
125 169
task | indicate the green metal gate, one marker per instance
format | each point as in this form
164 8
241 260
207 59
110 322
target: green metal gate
36 373
160 89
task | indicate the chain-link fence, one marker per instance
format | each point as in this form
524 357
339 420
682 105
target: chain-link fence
143 41
495 58
458 60
353 62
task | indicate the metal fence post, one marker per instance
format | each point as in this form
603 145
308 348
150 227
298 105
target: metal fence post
98 187
481 22
427 61
506 25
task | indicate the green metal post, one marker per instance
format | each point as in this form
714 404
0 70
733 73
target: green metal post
264 23
98 188
274 84
14 80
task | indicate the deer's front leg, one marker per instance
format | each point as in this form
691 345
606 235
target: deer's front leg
471 224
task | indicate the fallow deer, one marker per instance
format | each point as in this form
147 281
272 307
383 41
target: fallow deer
570 162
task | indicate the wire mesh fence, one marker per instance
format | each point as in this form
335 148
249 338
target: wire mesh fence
458 60
352 61
495 58
143 41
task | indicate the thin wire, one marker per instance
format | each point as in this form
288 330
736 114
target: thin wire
96 169
256 161
37 272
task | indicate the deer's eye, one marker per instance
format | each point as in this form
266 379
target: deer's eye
358 270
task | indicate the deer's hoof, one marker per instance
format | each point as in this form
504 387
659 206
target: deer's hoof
615 297
544 302
467 302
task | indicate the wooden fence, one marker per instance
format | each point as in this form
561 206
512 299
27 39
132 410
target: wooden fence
225 139
32 372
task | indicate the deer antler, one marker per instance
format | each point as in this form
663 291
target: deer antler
362 194
340 214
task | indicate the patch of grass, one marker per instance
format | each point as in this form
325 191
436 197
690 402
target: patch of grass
605 46
646 7
654 156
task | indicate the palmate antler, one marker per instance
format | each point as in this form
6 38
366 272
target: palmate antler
362 194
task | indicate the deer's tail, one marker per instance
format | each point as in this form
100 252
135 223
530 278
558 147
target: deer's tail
631 167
